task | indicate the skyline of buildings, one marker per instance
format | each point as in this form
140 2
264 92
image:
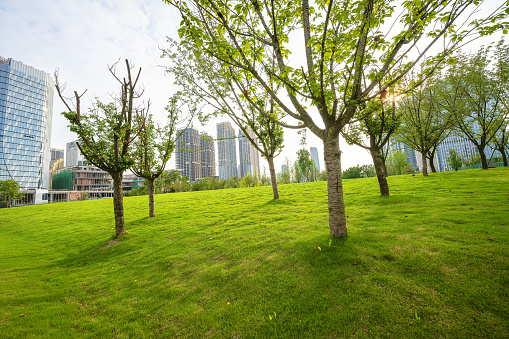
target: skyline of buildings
26 111
26 105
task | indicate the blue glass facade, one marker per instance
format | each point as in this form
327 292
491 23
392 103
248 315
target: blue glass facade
463 147
26 107
410 153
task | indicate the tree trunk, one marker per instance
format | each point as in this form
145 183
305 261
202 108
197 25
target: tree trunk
431 164
380 172
151 200
424 164
273 177
337 218
501 149
484 162
118 204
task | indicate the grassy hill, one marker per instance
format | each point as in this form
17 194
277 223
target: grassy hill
431 260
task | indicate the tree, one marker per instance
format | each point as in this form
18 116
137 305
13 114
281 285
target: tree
369 171
455 161
226 92
502 144
154 147
396 163
306 165
233 182
108 131
353 173
264 179
476 91
349 48
473 160
378 127
364 171
9 190
286 177
424 123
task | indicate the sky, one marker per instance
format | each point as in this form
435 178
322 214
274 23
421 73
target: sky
81 38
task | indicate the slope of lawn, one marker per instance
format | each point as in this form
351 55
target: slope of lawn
431 260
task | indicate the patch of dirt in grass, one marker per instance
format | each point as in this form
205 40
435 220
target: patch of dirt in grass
403 236
110 243
217 259
210 333
450 270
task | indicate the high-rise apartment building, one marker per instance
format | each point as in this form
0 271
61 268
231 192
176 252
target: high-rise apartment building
26 108
314 155
248 155
73 156
208 156
227 155
187 154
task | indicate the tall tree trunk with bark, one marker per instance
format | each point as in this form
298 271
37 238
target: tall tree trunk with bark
484 161
151 199
431 157
118 204
432 165
424 164
337 217
380 172
501 149
273 177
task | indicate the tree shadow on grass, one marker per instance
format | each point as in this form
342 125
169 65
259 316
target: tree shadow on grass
103 250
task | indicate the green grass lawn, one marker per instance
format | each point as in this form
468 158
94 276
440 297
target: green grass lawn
431 260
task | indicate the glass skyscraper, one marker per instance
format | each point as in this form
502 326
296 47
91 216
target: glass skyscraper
73 155
314 155
26 108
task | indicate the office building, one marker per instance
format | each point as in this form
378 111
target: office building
73 156
208 156
412 157
248 155
56 154
75 182
463 147
56 163
314 155
227 154
460 143
26 108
